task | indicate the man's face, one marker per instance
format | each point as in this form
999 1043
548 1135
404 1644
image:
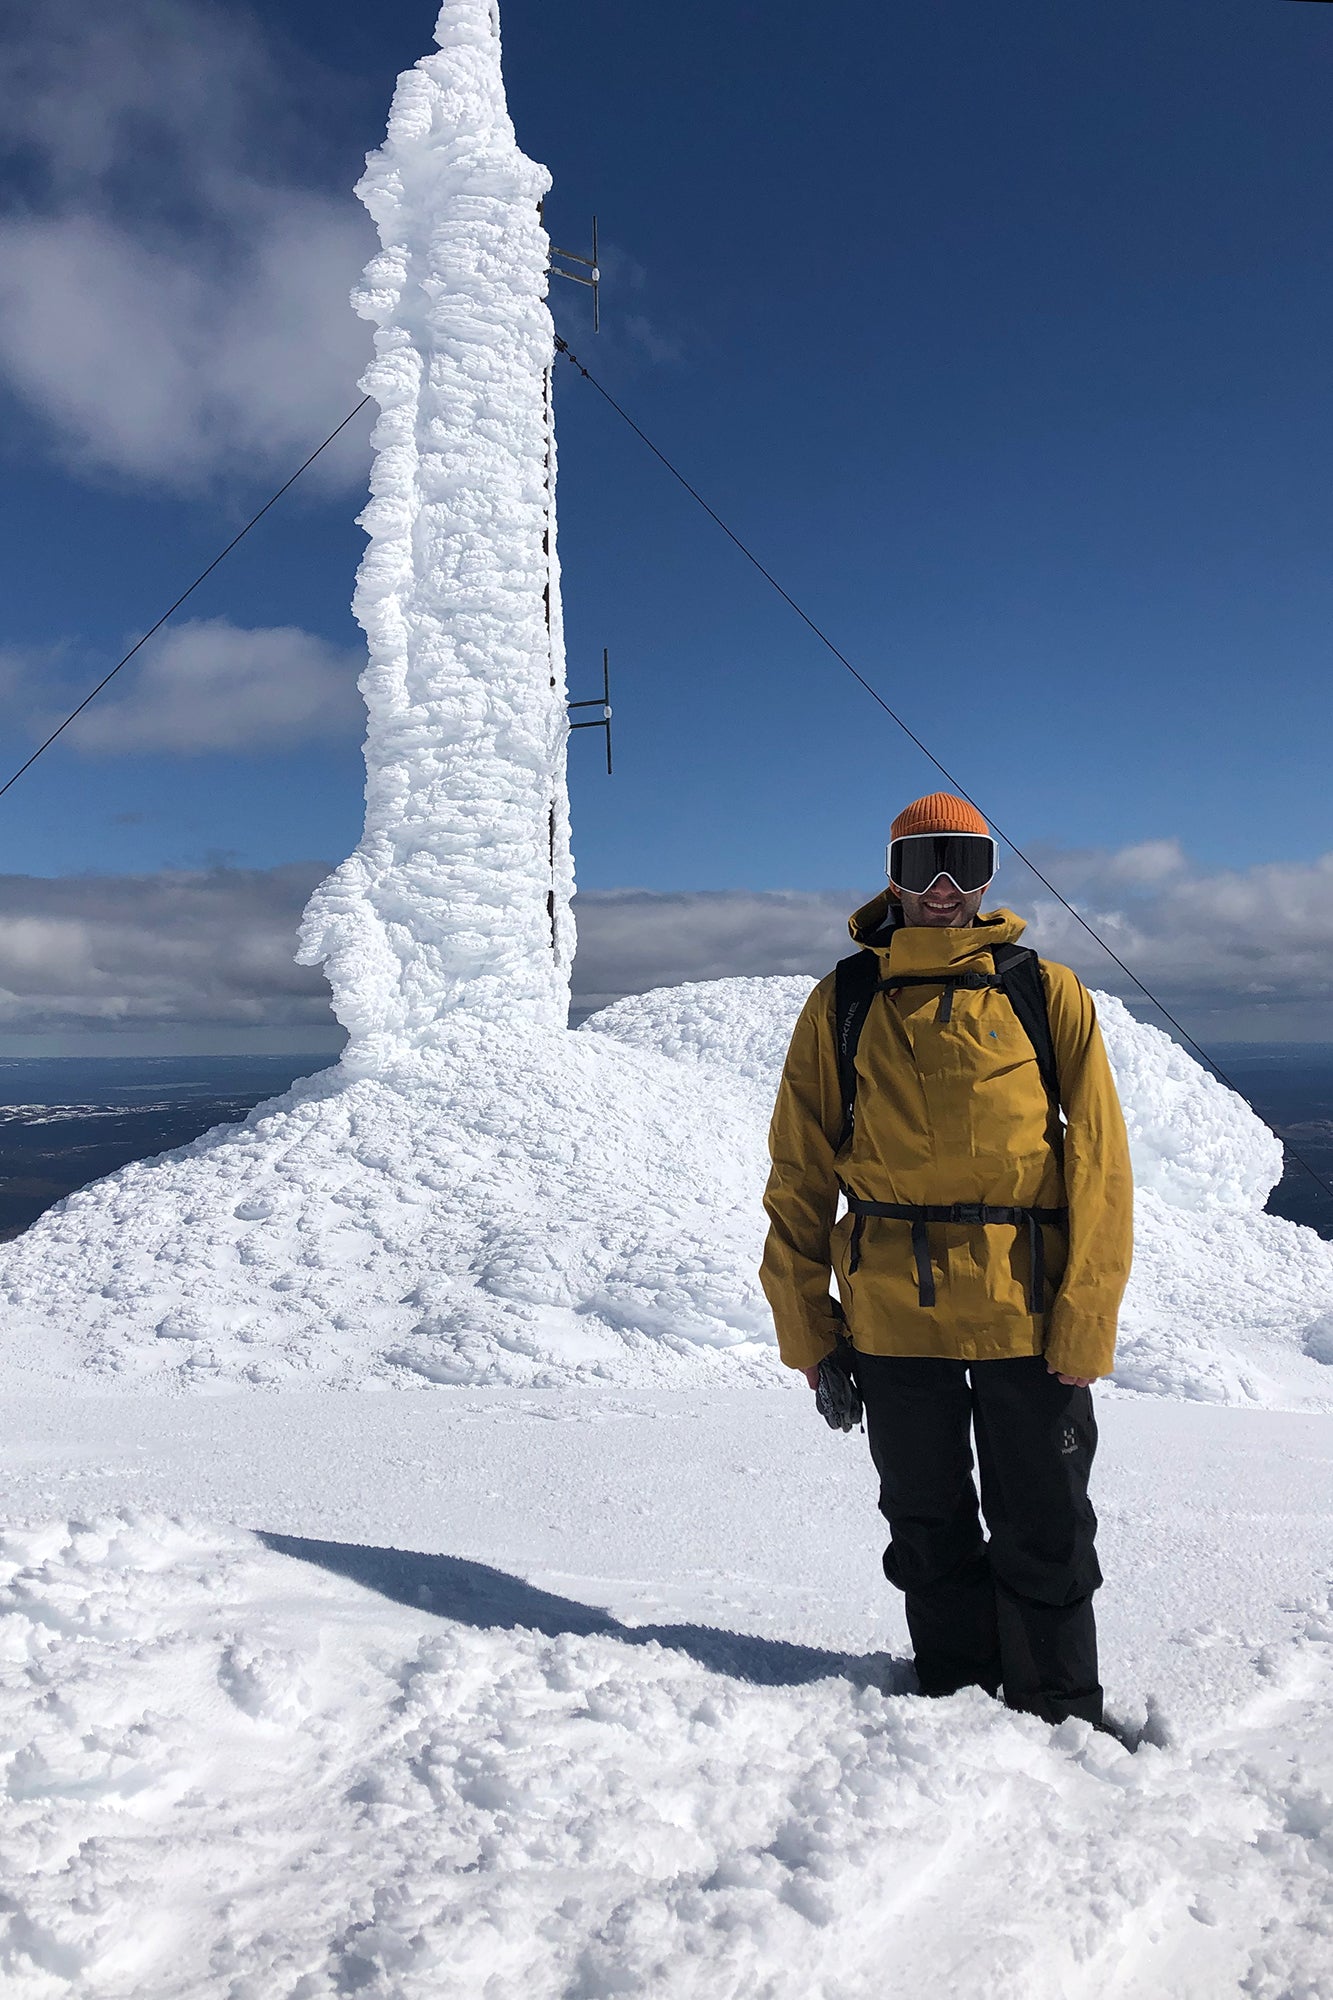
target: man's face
942 905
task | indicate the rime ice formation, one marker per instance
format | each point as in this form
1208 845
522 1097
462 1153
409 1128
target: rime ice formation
458 894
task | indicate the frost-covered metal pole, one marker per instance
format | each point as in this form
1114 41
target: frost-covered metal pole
457 897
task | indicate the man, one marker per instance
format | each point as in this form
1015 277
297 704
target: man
994 1327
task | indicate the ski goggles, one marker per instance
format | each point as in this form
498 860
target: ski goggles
968 859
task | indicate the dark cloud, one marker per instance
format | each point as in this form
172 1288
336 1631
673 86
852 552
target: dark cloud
204 957
1237 955
151 959
634 939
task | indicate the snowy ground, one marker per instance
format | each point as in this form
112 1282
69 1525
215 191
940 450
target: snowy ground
582 1696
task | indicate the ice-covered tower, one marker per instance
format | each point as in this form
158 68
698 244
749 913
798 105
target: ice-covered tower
457 897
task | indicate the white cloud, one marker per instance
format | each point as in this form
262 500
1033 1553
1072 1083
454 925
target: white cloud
1148 861
173 297
208 685
205 685
80 83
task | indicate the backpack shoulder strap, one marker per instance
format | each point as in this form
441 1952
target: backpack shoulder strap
1019 975
855 983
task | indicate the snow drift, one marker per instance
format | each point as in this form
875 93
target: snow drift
1225 1301
476 1787
531 1206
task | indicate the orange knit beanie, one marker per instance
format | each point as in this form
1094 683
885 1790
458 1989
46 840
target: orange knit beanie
938 812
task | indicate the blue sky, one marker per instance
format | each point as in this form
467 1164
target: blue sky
1000 333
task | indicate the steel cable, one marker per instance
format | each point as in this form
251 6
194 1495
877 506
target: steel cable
172 609
930 756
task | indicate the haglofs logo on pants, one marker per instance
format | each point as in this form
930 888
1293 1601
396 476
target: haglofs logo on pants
1068 1441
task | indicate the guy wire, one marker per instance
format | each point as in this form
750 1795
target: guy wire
172 609
930 756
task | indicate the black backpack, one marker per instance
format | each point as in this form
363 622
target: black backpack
1017 974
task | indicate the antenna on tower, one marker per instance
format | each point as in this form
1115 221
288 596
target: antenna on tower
592 281
604 720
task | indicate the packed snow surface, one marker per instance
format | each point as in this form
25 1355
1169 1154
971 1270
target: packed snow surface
579 1694
524 1206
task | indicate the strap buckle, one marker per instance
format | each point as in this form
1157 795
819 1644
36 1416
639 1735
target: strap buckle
969 1211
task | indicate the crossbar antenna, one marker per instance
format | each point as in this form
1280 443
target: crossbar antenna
602 721
593 280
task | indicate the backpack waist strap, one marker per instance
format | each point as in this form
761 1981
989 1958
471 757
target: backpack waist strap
921 1213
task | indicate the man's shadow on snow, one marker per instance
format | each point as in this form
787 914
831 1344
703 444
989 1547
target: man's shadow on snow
474 1594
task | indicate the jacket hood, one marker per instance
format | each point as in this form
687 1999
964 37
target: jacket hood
920 947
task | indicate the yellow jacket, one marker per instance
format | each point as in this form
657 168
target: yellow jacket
949 1111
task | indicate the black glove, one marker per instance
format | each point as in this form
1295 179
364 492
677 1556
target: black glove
837 1399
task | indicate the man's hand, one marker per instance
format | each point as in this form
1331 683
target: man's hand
1071 1381
812 1377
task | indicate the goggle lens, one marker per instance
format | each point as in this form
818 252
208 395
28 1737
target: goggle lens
968 859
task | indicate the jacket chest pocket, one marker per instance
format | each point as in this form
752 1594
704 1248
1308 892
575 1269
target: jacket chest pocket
994 1043
981 1039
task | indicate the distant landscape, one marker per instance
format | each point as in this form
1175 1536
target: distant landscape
1291 1085
69 1120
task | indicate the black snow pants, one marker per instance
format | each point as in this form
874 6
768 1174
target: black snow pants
1015 1611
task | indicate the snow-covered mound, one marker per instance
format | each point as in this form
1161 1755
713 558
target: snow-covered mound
1195 1143
741 1026
1226 1303
531 1206
513 1206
